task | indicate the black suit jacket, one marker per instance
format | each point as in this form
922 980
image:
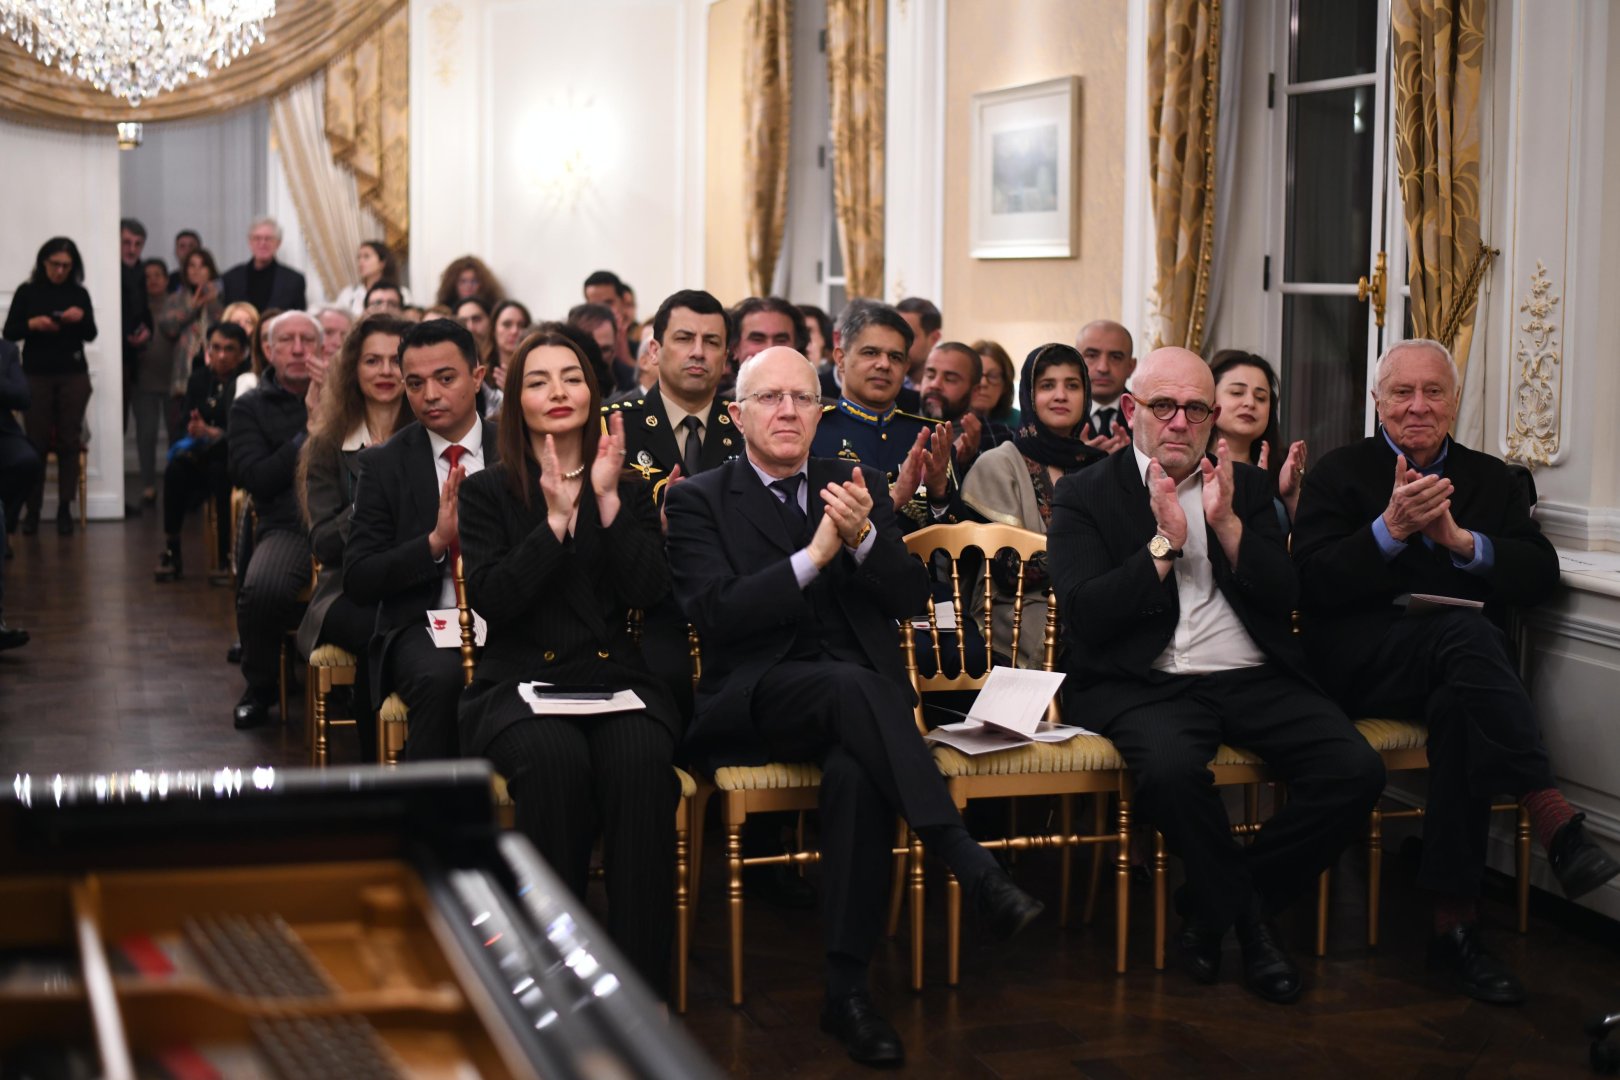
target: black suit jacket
730 553
387 563
14 393
557 611
286 289
1118 616
267 430
1348 591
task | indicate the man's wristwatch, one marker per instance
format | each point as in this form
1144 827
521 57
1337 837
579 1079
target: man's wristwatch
866 530
1159 547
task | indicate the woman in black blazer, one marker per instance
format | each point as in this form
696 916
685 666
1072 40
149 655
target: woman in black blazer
559 545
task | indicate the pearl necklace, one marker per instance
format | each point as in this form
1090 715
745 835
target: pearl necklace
575 474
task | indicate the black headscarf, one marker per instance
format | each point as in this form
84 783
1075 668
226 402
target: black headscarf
1035 440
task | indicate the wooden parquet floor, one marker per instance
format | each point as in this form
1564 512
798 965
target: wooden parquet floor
123 673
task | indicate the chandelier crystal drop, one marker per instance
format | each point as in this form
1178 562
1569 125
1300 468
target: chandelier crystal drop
136 49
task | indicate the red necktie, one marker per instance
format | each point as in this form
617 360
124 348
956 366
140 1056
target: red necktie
453 454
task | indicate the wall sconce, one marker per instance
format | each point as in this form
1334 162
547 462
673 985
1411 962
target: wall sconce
561 155
129 135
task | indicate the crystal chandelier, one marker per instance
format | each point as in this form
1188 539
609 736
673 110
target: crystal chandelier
136 49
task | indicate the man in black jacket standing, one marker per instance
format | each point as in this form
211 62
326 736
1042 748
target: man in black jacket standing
1176 592
267 428
262 281
793 571
405 535
1410 511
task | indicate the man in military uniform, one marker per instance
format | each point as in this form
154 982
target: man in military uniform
866 425
680 426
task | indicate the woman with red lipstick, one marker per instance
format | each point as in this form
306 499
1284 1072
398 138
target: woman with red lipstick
1246 391
559 545
361 404
1012 484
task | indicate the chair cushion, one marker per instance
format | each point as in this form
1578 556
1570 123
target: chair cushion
1393 734
394 710
770 777
1231 755
1083 753
688 785
331 656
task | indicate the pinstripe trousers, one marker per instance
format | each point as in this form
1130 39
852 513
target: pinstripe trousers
574 777
267 604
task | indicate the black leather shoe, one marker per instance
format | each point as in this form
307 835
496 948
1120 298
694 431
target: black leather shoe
168 567
251 711
779 886
1267 969
1002 908
233 655
854 1021
1478 973
11 637
1200 951
1579 864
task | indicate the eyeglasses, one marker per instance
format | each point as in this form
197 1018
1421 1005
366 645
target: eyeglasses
1196 412
802 399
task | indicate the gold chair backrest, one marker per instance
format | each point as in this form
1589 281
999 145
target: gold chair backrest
955 541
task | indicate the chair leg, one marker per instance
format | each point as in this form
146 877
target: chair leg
700 806
1122 884
683 920
953 930
1065 857
1099 822
1324 890
914 855
1524 870
315 691
1375 872
1161 864
897 886
84 489
734 904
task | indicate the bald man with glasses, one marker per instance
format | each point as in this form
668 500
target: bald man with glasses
1176 592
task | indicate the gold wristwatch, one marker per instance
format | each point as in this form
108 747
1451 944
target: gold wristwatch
866 530
1159 547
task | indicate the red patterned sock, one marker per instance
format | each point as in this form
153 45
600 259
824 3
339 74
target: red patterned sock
1549 812
1454 911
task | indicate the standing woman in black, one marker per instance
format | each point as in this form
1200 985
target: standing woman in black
559 545
52 317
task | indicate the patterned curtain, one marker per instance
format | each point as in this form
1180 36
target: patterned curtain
856 70
1183 100
1439 50
368 123
767 118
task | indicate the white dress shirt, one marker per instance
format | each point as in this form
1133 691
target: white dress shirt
1209 635
677 414
472 461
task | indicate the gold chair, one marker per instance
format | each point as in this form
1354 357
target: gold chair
1085 765
329 666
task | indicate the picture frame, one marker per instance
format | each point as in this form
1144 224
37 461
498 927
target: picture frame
1025 162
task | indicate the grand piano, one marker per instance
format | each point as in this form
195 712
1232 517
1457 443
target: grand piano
247 923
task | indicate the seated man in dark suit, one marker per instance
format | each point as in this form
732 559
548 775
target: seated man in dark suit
267 427
262 281
793 571
1176 593
1410 511
404 536
20 467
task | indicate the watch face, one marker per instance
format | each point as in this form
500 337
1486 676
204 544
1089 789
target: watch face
1159 547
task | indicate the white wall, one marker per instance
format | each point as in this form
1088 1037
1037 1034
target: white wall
505 115
67 185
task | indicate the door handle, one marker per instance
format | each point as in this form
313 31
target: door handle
1374 289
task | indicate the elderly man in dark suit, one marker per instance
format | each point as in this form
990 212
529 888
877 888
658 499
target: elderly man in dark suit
1176 592
262 281
1411 511
404 536
794 573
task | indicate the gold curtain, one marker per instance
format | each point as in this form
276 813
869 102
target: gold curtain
767 117
300 39
368 123
1184 44
1439 49
856 76
323 191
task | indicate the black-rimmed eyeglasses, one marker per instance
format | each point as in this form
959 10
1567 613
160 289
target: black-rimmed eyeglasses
1196 412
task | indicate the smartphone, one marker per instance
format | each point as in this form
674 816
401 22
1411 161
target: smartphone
574 692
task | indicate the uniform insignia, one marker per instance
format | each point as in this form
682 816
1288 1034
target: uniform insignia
847 452
725 419
652 421
646 471
726 441
643 458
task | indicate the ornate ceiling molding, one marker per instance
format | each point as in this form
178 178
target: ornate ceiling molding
1535 428
302 38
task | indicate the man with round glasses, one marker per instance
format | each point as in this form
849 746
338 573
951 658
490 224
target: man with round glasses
1176 592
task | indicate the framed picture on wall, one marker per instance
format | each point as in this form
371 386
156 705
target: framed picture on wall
1025 160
